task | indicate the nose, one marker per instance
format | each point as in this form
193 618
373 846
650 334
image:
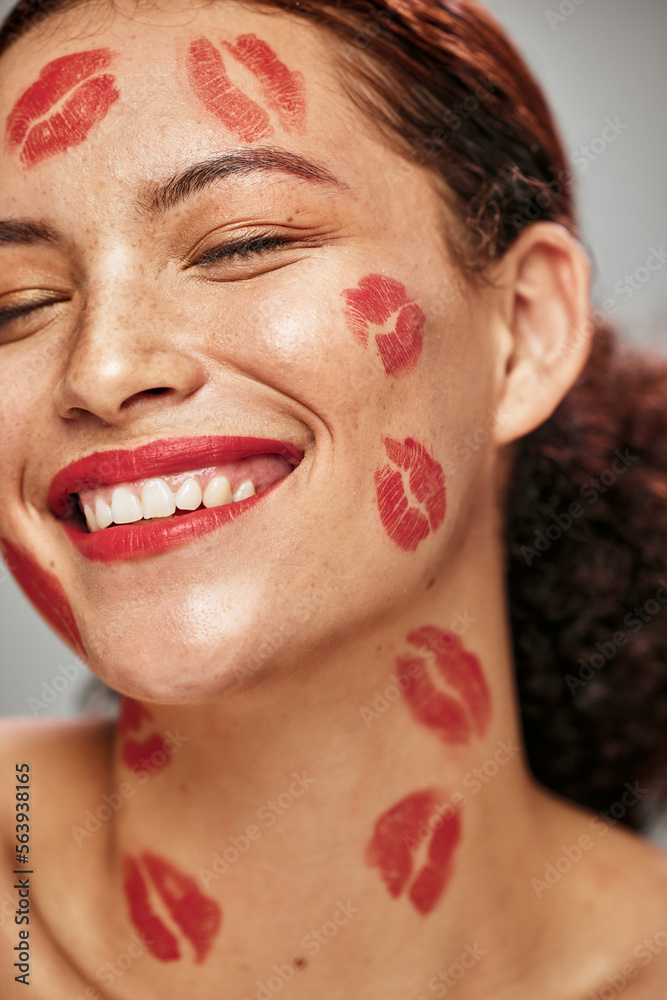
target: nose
120 360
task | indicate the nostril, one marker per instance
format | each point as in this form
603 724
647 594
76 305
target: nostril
157 391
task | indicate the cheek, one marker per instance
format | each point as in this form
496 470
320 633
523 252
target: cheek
196 917
382 306
410 492
60 108
281 90
45 592
413 846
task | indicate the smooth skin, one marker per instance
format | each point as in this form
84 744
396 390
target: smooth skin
260 346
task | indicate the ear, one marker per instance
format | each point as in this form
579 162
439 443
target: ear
544 331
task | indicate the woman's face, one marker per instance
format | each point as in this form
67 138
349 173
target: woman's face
206 241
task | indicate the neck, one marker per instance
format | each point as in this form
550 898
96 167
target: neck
335 819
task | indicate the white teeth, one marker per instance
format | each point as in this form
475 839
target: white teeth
218 492
103 513
125 507
90 518
189 495
245 490
157 500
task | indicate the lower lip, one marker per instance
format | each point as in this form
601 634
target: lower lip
148 538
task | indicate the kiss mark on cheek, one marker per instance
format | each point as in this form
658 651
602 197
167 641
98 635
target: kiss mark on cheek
211 84
454 721
197 916
45 592
150 754
375 301
417 825
406 524
90 102
282 89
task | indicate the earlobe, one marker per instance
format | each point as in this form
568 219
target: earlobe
545 279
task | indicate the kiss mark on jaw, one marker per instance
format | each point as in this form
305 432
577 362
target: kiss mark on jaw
416 825
45 592
92 97
375 301
407 524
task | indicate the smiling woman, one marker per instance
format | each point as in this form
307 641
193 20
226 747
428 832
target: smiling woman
315 453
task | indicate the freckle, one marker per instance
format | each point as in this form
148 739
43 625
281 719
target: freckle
298 962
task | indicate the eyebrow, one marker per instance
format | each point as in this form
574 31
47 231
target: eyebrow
13 231
183 185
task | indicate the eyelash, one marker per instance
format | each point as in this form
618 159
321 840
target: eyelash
256 246
247 248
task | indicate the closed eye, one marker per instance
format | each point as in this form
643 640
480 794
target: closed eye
246 249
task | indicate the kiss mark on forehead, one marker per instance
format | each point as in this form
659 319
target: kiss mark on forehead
282 89
211 84
91 98
383 302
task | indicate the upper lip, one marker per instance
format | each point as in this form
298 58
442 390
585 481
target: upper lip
167 455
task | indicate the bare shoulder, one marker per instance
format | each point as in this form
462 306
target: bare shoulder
49 762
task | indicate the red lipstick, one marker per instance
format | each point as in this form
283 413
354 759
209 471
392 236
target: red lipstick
406 524
89 104
400 833
171 455
211 84
283 89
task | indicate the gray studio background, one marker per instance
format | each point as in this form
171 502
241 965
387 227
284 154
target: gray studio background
598 60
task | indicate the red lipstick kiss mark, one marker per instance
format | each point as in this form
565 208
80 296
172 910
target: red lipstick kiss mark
45 592
283 89
196 915
401 832
375 301
408 525
210 83
88 105
145 754
452 721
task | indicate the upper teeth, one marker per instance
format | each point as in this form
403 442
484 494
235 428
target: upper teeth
156 499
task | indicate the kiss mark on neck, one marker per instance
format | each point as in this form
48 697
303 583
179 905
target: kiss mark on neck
416 825
45 592
197 916
150 754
